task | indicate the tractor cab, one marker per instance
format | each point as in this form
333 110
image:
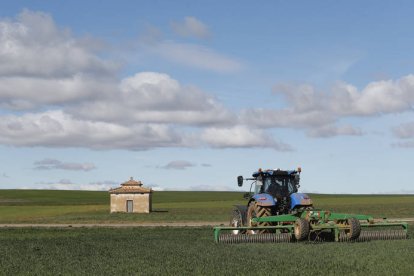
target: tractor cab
277 183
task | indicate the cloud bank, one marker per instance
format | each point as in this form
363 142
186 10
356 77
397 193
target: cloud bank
53 164
58 90
320 112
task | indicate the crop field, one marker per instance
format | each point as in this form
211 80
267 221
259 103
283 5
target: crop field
189 251
38 206
182 250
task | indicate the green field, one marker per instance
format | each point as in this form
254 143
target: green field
189 251
38 206
185 250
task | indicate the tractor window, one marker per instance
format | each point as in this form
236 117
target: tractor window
291 186
267 183
259 185
280 186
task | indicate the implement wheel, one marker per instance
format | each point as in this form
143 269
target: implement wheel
236 220
301 229
256 211
354 228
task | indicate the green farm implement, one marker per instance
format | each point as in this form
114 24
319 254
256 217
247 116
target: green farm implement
276 212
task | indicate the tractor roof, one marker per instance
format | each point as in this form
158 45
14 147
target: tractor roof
274 172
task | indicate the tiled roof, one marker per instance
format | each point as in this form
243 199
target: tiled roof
131 186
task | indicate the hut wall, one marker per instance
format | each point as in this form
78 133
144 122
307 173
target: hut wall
141 202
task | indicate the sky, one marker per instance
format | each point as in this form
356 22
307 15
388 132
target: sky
187 95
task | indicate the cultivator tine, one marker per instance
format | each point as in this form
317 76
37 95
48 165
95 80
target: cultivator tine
258 238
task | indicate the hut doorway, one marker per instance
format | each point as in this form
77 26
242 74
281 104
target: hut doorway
129 206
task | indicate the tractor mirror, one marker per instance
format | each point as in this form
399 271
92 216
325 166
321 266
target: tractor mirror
240 180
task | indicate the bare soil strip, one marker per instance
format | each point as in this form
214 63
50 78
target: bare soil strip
113 225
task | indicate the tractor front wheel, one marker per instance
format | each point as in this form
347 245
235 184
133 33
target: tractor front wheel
301 229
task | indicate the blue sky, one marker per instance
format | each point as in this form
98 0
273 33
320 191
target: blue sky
186 96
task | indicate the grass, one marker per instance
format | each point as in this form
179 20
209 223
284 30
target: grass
188 251
40 206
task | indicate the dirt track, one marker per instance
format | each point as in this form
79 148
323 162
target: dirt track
114 225
143 224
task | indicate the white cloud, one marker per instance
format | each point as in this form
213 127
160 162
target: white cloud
178 165
32 45
99 185
346 100
57 129
53 164
318 111
241 137
404 131
42 64
66 184
76 100
197 56
151 97
157 188
286 118
20 93
191 27
332 130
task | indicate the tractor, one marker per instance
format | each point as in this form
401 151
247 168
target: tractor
277 212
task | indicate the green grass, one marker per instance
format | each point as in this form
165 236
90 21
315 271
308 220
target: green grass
40 206
189 251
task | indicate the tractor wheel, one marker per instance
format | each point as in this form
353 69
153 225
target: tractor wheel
354 228
257 211
236 221
301 229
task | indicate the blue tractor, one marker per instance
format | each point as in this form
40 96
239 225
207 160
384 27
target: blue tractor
275 193
276 212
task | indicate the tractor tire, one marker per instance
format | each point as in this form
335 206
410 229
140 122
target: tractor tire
301 229
354 229
236 220
256 211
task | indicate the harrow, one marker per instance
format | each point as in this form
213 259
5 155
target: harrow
328 227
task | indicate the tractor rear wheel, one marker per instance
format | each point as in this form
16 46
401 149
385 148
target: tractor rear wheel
301 229
257 211
354 228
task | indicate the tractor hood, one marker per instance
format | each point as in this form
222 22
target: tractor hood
299 199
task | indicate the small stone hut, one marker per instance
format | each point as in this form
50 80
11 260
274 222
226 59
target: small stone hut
131 197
